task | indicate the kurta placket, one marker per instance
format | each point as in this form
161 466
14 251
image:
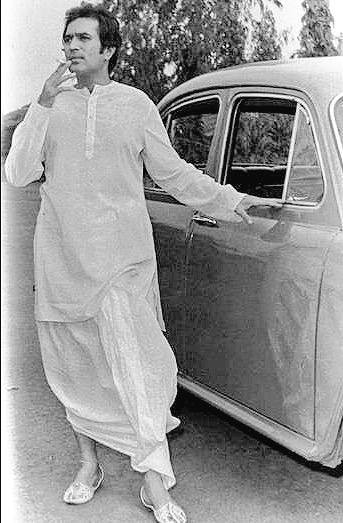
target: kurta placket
90 124
97 303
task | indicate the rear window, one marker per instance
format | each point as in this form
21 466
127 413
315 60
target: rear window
191 128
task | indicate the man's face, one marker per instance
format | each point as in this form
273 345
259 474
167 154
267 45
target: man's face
82 46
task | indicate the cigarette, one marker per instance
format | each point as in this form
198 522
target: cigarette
61 61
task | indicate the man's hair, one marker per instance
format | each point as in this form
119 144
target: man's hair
109 32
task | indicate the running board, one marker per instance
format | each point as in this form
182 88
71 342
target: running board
269 428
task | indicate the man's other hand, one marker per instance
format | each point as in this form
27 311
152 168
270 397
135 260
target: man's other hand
254 201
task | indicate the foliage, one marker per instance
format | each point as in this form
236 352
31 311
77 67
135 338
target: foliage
263 138
167 42
316 37
192 136
265 42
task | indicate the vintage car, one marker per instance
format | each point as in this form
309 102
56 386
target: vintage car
255 312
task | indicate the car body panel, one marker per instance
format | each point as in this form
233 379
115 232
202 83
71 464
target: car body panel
255 313
170 224
329 356
251 305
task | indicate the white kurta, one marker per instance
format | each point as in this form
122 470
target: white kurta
95 263
93 229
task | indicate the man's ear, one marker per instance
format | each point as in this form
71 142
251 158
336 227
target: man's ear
109 52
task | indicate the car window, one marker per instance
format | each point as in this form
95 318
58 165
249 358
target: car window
269 138
260 143
191 128
191 131
305 178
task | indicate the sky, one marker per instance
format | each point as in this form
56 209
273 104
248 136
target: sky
31 42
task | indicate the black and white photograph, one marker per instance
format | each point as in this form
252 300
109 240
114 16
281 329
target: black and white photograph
172 261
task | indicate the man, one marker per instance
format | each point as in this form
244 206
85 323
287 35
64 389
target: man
97 300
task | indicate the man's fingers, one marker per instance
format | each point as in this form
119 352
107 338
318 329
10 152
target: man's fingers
244 215
66 77
271 203
64 65
254 201
62 68
268 202
64 89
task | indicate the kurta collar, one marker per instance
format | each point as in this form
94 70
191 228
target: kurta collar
98 88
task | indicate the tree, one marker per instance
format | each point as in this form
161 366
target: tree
167 42
316 37
265 42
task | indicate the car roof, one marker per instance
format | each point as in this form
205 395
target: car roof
317 77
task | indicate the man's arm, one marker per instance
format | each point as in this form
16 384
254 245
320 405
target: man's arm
24 161
189 185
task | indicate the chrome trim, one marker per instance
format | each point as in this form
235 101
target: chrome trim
300 108
303 104
290 154
286 437
173 108
334 123
339 145
204 220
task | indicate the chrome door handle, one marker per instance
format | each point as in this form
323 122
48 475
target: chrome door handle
204 220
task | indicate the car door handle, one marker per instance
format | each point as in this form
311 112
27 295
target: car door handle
204 220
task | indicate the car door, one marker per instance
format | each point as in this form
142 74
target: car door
191 125
252 290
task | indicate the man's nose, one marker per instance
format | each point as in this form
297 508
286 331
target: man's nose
74 43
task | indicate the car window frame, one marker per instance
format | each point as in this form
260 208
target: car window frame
231 115
333 121
166 115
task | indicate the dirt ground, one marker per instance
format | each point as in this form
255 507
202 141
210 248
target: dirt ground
225 472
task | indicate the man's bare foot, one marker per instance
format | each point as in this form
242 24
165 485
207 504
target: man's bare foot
155 491
86 482
88 473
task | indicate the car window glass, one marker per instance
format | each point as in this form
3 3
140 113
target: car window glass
305 179
191 129
260 144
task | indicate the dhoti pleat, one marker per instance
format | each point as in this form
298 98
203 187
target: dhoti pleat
115 374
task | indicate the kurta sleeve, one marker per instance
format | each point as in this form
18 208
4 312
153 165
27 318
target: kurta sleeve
181 179
24 161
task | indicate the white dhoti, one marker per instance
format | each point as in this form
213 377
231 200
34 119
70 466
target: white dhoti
116 376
